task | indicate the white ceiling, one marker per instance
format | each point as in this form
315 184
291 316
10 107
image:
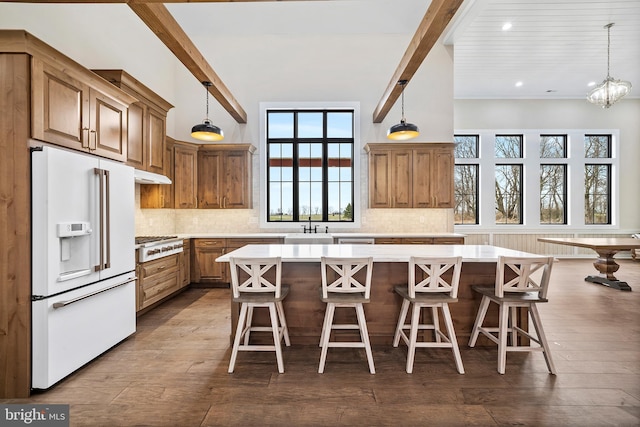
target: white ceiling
555 47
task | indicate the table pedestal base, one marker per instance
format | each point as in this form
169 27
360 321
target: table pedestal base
615 284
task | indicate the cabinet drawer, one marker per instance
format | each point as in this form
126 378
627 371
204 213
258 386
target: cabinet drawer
448 241
417 241
159 266
155 289
210 243
388 241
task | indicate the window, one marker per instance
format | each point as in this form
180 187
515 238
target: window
553 179
466 179
553 194
508 194
508 178
535 178
310 165
597 180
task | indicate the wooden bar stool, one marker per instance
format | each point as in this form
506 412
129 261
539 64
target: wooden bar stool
520 282
256 283
345 291
433 283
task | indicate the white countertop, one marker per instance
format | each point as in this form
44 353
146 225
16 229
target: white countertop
380 253
282 234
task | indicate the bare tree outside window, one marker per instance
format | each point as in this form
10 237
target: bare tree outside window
466 180
597 180
466 194
509 194
553 146
466 146
553 194
597 146
508 146
597 183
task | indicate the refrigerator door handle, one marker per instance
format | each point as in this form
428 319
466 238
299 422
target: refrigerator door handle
107 211
105 219
61 304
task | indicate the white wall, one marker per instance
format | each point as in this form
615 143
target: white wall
569 114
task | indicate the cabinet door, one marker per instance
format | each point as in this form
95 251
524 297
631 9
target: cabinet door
236 178
380 179
108 127
204 267
156 130
210 166
422 179
185 173
60 108
442 185
136 153
401 179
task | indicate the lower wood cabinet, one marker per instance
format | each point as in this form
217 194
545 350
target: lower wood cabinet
184 264
204 268
157 279
420 240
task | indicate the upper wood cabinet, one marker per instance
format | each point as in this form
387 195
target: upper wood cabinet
147 122
161 195
410 175
185 157
224 176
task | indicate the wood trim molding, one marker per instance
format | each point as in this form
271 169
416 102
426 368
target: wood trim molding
162 23
435 20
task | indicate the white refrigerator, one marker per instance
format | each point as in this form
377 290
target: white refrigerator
83 260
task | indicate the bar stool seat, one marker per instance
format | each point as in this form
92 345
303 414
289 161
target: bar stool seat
256 283
433 283
350 291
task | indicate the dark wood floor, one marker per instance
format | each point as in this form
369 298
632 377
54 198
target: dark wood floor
173 372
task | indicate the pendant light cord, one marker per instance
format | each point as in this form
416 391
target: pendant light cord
608 47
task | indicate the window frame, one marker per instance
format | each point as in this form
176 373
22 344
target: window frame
262 158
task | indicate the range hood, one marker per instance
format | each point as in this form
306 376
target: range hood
144 177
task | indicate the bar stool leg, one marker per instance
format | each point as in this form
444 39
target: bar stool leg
326 334
238 337
401 320
482 311
452 337
365 336
276 336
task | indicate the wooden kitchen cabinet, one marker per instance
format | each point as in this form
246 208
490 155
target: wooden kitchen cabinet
411 175
184 262
75 108
161 195
157 279
204 268
147 122
185 157
453 240
224 176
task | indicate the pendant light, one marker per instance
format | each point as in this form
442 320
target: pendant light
207 131
610 90
403 130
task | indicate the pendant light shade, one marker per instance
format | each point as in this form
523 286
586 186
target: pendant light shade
207 131
610 90
403 130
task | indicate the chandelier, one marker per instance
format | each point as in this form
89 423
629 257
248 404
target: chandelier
610 90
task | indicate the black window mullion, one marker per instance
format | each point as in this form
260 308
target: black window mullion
296 172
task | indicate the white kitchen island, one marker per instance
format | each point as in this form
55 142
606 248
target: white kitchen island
301 270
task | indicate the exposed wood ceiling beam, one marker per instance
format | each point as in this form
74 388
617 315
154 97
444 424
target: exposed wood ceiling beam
162 23
431 27
152 1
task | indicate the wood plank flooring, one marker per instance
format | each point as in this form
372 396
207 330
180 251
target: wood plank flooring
173 372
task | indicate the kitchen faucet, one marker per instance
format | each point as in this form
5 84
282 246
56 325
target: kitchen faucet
310 229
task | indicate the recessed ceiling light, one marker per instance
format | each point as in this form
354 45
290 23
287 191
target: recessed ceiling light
518 84
590 84
506 26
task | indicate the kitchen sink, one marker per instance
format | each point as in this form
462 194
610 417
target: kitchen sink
309 238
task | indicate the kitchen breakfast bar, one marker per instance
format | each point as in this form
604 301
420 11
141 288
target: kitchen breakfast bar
301 271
